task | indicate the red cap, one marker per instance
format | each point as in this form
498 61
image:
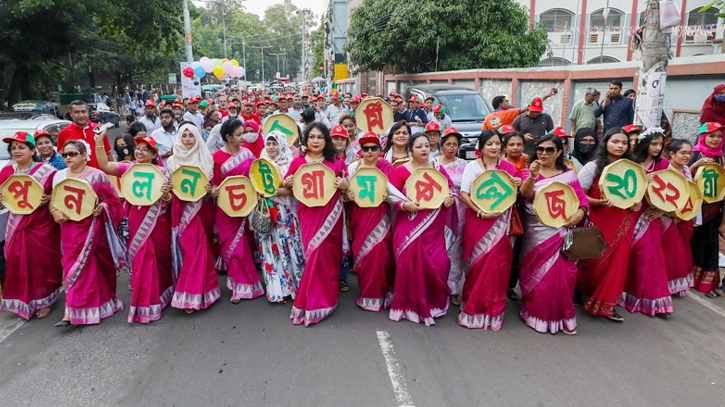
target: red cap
451 131
559 132
369 138
399 99
41 133
537 105
210 101
148 140
414 99
232 106
260 103
178 104
336 95
282 97
355 99
709 127
195 99
506 128
313 98
338 131
168 103
248 103
322 95
365 95
437 109
433 126
150 102
631 128
25 137
178 100
305 95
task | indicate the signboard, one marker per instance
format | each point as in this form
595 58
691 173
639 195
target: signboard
141 184
265 177
314 185
237 197
555 203
374 114
21 194
283 123
650 98
624 183
668 190
172 78
694 202
428 187
74 198
116 182
710 178
493 191
369 185
189 86
189 183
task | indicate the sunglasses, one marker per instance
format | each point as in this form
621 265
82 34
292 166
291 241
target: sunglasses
370 148
547 150
70 154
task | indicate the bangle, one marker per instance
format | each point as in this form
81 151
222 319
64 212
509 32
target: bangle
100 147
53 210
478 213
166 200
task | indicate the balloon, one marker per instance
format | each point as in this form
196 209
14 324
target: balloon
224 60
219 72
188 72
195 65
199 71
208 65
234 62
235 73
228 68
203 59
241 72
217 62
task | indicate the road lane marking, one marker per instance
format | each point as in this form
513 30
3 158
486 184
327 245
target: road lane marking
706 304
9 329
394 371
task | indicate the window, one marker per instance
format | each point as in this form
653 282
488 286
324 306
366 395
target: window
557 20
695 19
642 18
613 21
603 60
554 61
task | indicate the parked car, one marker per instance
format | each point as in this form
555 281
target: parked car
101 113
464 106
38 107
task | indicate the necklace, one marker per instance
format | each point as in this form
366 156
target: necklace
485 167
22 171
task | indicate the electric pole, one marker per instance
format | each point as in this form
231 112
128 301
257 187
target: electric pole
277 55
187 33
262 50
653 72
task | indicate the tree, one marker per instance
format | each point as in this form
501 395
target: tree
317 45
457 34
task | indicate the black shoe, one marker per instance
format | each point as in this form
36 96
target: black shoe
616 317
578 298
62 324
512 295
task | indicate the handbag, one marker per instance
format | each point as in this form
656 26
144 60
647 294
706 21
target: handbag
585 242
260 220
516 228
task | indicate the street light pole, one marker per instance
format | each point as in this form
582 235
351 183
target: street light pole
187 33
224 28
262 49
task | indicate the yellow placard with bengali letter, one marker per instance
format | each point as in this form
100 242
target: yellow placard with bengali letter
314 184
21 194
265 177
710 178
428 187
624 183
116 182
555 203
141 184
375 115
694 203
668 191
493 191
75 198
369 185
237 197
283 123
189 183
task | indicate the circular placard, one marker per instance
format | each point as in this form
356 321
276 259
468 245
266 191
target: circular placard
555 203
428 187
694 203
569 163
314 185
265 177
237 197
21 194
624 183
116 182
369 185
668 190
710 178
75 198
141 184
493 191
189 183
375 115
283 123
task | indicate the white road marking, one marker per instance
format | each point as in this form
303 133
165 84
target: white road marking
394 371
9 326
706 304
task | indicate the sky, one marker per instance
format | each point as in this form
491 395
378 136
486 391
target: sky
258 7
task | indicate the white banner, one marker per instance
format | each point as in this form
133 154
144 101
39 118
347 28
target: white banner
650 97
189 86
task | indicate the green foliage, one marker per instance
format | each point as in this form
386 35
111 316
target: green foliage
720 4
462 34
317 45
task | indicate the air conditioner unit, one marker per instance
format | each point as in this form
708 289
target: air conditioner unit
594 38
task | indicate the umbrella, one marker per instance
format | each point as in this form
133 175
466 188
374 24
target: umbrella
318 79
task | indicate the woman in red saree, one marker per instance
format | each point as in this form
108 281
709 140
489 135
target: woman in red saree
322 233
646 289
421 290
32 283
372 235
548 279
149 242
192 223
92 251
487 248
603 279
231 160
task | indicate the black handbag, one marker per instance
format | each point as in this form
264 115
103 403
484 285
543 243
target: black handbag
585 242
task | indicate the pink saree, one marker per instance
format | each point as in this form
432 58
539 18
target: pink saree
32 282
372 249
322 234
547 278
149 251
92 255
646 289
422 265
676 246
242 277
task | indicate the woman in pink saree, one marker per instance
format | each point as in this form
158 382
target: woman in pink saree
487 248
421 290
92 251
322 233
231 160
192 223
646 289
32 283
548 279
149 242
372 235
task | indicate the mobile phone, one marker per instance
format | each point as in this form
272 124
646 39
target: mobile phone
100 129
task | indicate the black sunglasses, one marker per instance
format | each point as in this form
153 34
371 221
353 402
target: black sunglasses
548 150
370 148
70 154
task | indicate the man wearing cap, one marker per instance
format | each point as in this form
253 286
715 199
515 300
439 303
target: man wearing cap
354 103
416 117
261 110
192 115
399 114
149 119
204 107
442 118
178 109
284 108
582 114
233 112
223 106
618 111
533 124
428 107
433 131
166 134
82 129
250 113
336 109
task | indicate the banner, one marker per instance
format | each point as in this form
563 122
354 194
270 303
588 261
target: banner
189 86
283 123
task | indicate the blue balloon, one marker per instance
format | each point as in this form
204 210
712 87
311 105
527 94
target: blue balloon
199 72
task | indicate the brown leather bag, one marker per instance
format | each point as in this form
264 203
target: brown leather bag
517 227
584 243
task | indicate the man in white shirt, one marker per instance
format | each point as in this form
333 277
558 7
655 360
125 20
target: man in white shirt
166 134
149 119
336 109
192 115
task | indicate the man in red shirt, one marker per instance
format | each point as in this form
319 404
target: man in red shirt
249 113
82 129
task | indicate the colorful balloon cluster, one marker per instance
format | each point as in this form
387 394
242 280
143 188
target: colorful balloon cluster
220 68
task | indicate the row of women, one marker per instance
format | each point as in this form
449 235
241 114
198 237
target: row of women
408 260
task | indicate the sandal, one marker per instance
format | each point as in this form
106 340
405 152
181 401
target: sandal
236 301
512 295
189 311
455 300
715 293
572 332
43 312
665 315
615 317
343 286
62 324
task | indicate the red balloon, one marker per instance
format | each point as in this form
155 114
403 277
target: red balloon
188 72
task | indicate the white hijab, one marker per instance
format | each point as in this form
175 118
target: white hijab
198 155
284 157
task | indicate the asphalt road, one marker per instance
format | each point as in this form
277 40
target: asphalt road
251 355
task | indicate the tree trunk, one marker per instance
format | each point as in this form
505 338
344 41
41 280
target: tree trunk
653 73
